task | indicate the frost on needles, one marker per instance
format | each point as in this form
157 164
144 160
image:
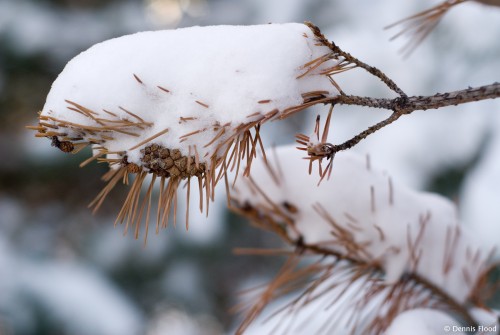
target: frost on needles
183 104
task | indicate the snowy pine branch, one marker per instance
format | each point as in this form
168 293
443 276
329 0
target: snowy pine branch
191 121
185 108
390 248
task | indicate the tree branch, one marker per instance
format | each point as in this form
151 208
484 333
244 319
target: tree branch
411 104
407 105
262 220
353 60
458 308
401 105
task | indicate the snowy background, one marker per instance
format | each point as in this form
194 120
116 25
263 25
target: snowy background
65 271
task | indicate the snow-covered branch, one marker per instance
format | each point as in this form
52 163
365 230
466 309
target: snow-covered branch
185 108
147 105
406 249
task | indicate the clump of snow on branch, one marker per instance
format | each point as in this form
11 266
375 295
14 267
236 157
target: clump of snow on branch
196 79
185 103
360 212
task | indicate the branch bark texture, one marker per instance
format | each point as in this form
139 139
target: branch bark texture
410 104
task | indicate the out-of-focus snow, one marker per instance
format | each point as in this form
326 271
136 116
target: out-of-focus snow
77 297
173 321
110 249
82 295
424 322
204 229
34 27
488 321
480 194
396 225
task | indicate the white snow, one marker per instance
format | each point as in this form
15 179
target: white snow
80 298
488 321
323 315
178 322
216 75
480 192
424 322
393 221
204 229
42 28
77 297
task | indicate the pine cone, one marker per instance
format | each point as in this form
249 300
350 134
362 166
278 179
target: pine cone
166 162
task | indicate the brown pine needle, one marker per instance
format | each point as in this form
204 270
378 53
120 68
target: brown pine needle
91 159
202 104
148 211
200 186
147 199
163 89
191 133
419 26
83 109
48 125
187 202
39 127
327 125
110 113
133 115
175 202
138 79
207 190
113 177
149 139
196 157
79 147
160 202
186 119
216 137
312 65
253 114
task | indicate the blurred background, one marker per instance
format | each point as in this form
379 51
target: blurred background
66 271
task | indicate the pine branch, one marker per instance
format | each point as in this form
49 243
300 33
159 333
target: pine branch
407 105
337 52
334 253
450 302
411 104
401 105
296 277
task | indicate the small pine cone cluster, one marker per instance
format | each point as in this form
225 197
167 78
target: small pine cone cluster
170 162
64 146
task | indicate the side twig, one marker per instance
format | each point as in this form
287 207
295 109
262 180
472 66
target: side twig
353 60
